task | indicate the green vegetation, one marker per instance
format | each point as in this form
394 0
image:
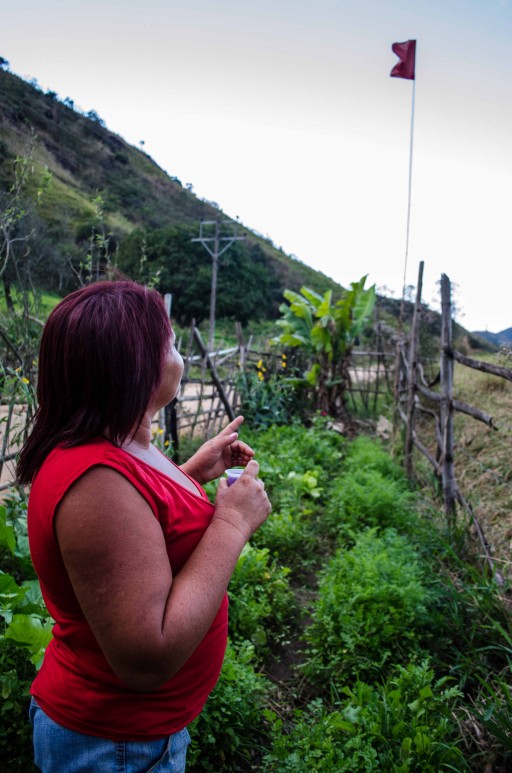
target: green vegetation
327 332
386 668
146 215
363 637
372 608
229 732
402 725
381 648
24 634
43 302
184 268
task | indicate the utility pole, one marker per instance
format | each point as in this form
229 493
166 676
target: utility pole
216 245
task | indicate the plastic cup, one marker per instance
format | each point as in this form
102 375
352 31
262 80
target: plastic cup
233 473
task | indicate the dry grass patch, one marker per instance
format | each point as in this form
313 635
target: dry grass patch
483 466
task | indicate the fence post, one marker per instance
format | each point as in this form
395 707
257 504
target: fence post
215 377
446 368
412 377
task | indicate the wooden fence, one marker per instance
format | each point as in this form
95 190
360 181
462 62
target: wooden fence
209 396
414 396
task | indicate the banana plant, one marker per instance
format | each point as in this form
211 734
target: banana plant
326 332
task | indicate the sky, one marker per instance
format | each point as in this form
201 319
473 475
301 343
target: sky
283 112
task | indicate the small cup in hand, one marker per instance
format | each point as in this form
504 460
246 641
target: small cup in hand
233 473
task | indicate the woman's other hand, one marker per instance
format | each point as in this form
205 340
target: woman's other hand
216 455
245 504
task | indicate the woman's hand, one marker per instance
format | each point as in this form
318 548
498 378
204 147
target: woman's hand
216 455
244 505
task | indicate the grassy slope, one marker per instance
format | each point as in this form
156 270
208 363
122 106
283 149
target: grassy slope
86 159
482 455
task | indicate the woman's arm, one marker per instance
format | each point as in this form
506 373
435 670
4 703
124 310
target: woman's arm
146 622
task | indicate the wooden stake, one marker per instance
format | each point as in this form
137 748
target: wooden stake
449 485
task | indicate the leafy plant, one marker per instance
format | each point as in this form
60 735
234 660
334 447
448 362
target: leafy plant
290 534
229 731
24 635
270 401
260 599
297 449
371 609
327 332
403 725
26 621
16 676
365 498
367 453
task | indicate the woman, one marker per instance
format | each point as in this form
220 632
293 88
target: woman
133 559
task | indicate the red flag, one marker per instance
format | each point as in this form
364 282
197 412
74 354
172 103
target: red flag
406 52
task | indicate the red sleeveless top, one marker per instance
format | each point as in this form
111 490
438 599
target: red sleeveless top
76 686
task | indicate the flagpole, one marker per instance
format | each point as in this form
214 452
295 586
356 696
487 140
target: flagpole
411 146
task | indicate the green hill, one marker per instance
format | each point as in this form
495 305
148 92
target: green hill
86 196
104 190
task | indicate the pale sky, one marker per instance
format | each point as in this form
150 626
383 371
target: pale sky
283 112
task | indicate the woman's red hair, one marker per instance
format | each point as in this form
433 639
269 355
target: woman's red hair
100 361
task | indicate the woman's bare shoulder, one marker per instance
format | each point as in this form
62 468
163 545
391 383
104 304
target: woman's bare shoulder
100 506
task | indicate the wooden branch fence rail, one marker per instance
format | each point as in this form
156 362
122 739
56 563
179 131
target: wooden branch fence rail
209 397
442 407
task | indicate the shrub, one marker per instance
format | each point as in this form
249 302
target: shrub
403 725
297 465
24 635
366 498
372 606
365 453
298 449
288 533
271 401
260 599
16 676
229 732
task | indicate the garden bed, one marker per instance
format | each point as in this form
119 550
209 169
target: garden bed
359 639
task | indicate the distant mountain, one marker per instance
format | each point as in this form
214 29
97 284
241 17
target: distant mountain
498 339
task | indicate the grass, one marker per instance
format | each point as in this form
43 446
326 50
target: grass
46 302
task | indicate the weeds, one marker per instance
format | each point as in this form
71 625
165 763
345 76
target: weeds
371 609
403 725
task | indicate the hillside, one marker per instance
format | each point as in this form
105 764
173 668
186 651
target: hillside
107 197
96 175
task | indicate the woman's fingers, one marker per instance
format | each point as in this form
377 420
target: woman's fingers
231 427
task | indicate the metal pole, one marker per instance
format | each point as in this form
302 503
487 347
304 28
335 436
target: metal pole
215 254
213 294
412 377
409 196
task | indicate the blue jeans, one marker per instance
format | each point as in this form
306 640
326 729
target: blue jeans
59 750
